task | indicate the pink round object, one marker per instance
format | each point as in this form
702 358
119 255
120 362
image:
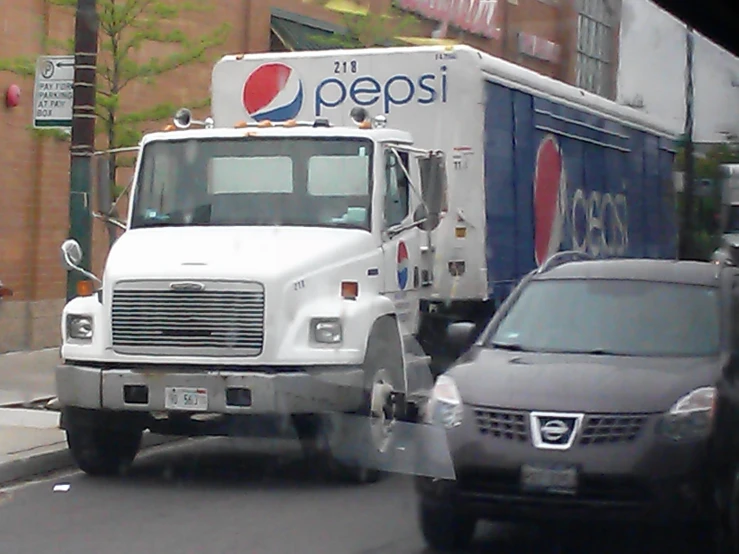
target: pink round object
13 96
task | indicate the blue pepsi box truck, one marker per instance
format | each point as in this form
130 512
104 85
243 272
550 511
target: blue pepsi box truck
534 165
293 255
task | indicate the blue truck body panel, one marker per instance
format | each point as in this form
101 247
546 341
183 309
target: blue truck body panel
560 178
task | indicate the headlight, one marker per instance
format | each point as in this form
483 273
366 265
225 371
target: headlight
326 331
79 327
445 405
690 417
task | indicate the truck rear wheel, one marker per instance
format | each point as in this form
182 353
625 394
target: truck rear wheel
99 451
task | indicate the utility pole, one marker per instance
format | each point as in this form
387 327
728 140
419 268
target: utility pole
83 133
686 234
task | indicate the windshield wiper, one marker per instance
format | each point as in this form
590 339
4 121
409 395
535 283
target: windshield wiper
513 347
601 352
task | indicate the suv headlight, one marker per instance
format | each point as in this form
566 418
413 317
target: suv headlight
445 405
690 418
79 327
326 330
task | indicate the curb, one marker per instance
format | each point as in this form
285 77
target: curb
58 459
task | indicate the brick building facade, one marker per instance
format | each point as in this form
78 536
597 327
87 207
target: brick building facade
572 40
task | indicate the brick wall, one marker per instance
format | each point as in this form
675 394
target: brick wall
35 183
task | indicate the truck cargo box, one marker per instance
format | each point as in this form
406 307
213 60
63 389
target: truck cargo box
534 165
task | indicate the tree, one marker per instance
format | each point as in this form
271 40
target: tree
126 28
369 30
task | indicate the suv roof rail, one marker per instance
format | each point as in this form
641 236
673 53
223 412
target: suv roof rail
561 258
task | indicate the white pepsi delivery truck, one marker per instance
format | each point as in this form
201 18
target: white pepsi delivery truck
284 258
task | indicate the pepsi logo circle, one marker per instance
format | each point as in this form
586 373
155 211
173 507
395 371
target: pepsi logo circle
548 197
273 92
402 265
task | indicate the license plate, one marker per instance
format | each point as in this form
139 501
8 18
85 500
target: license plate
549 479
189 399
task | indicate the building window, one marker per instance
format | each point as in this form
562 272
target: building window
595 45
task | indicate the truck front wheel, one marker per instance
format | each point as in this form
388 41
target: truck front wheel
365 446
100 451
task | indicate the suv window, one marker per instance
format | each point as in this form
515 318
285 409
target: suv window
620 317
735 315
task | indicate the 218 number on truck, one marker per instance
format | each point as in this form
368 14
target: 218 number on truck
345 67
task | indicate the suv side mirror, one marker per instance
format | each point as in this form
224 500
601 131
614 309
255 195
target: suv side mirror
460 334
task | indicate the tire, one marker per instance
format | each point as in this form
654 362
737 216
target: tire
102 452
726 534
362 442
445 530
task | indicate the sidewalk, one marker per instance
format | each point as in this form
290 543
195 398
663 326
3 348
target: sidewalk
31 442
30 439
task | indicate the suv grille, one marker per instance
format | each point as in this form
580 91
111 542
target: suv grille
612 428
502 424
221 319
596 429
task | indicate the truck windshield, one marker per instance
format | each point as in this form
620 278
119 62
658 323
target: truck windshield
266 181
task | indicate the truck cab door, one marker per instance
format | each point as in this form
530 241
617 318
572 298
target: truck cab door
401 239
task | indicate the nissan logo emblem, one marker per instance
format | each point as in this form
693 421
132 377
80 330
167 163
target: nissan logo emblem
554 430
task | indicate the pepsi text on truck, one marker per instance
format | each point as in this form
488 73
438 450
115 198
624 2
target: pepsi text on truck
296 256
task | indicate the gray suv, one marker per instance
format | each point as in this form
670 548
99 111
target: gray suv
595 393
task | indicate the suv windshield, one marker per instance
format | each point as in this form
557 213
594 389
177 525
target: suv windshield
265 181
629 318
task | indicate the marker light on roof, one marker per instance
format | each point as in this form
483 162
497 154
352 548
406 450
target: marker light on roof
265 123
241 125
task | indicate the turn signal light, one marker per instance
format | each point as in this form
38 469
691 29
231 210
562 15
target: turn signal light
85 288
170 127
349 290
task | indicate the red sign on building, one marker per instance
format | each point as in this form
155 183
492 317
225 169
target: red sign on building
479 17
538 47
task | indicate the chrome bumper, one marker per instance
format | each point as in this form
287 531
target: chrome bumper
310 391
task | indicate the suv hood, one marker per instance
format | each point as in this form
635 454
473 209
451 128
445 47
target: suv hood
579 383
261 253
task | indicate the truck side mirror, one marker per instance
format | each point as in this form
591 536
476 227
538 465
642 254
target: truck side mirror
420 214
102 185
433 184
71 254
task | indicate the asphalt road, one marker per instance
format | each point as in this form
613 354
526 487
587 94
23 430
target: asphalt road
216 496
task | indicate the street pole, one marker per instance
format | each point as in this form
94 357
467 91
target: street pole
83 134
686 235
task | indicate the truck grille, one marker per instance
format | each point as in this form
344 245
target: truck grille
223 318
